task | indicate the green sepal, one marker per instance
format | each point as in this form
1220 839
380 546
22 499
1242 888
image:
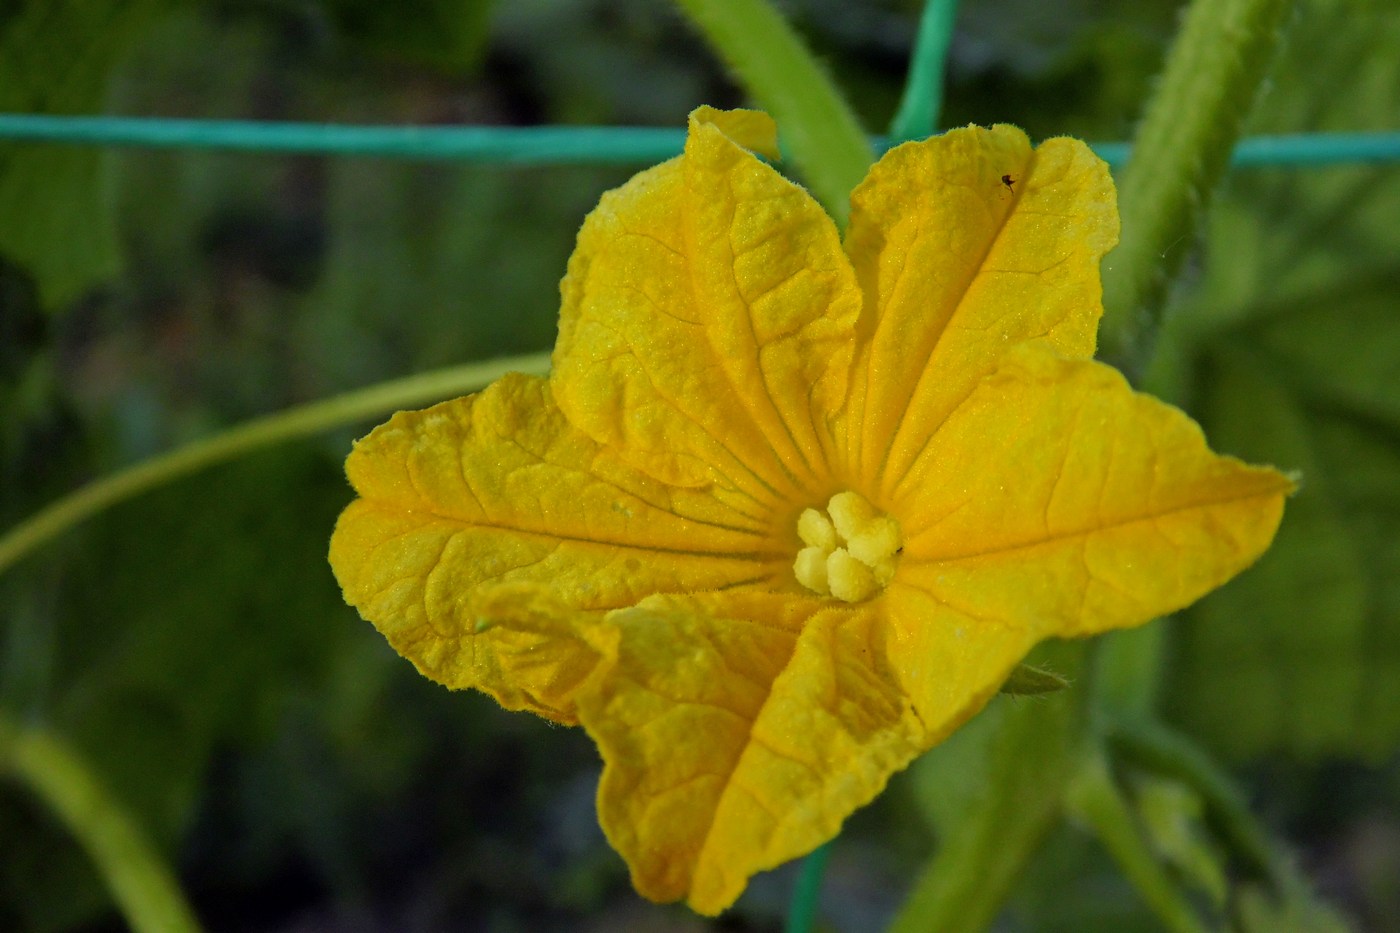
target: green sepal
1033 681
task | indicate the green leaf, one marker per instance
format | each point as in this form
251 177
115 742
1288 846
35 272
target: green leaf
446 35
211 593
55 218
411 242
1257 911
1073 885
1295 340
1033 681
1281 239
141 883
1354 367
1302 652
188 623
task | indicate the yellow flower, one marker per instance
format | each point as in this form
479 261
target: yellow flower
789 510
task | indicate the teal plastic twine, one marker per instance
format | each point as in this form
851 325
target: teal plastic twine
508 145
802 912
922 103
553 145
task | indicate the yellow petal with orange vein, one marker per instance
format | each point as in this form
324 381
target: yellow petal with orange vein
966 245
1058 499
732 745
707 320
499 488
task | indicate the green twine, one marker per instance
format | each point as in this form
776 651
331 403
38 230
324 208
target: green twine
918 112
554 145
509 145
802 912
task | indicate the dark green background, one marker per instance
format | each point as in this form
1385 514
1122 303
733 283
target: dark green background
193 644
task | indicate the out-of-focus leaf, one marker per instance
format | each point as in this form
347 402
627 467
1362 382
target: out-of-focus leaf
186 624
624 62
1294 337
1302 652
55 219
218 603
447 35
1364 458
1072 68
1342 347
1257 911
1279 238
451 262
1073 886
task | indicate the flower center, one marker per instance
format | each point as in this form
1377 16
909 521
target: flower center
851 549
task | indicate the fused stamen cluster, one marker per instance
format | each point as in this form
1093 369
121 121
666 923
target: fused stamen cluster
851 549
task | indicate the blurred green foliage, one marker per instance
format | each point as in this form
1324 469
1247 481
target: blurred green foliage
1289 349
55 213
192 643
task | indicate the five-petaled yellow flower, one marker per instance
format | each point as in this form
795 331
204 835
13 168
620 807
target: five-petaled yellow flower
789 509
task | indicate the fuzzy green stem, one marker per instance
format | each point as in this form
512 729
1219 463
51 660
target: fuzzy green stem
1025 767
1179 154
966 885
142 885
922 102
1095 798
818 131
1153 746
293 423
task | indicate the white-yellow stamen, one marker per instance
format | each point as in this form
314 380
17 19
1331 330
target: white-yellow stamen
815 530
811 568
851 550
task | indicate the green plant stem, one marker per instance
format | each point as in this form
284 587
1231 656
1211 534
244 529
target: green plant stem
967 883
1164 751
300 421
1128 670
1179 154
802 912
818 131
1030 754
922 102
1095 798
142 885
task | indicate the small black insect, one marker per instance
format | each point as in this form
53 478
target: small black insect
1008 181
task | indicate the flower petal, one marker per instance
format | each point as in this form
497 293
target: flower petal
966 245
518 644
732 746
499 488
949 661
707 320
1057 498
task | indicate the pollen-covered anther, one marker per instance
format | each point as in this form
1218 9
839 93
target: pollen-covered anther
851 551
